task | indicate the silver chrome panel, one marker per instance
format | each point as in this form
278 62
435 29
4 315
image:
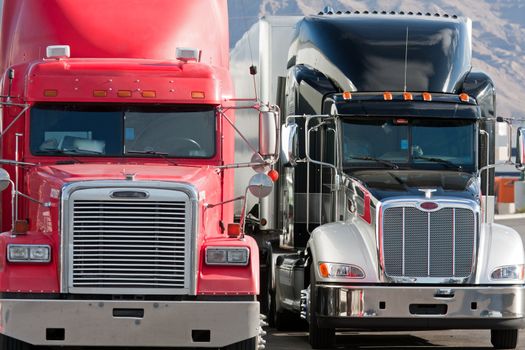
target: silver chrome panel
505 302
436 246
140 271
165 323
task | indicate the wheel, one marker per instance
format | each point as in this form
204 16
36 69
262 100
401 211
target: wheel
504 338
248 344
8 343
319 338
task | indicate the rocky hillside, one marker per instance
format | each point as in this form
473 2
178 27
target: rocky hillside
498 33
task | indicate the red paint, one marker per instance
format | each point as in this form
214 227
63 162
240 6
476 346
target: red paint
116 45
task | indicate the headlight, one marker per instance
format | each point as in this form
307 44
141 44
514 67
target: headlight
510 272
227 256
334 270
28 253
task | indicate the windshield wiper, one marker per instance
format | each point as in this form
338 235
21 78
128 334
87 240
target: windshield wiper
148 152
163 155
442 161
378 160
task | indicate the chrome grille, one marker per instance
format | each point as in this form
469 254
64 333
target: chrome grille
119 244
419 243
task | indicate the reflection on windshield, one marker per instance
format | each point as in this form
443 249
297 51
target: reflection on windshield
414 143
112 130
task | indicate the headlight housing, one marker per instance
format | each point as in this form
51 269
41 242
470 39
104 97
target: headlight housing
29 253
239 256
509 272
335 270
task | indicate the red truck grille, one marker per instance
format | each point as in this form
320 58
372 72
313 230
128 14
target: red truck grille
130 244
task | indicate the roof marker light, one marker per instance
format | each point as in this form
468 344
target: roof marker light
149 93
198 94
100 93
387 96
407 96
426 96
124 93
50 93
347 95
464 97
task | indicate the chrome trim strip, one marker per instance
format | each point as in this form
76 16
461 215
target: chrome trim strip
453 241
70 188
404 232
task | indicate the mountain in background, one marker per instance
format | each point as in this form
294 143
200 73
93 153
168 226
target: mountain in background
498 29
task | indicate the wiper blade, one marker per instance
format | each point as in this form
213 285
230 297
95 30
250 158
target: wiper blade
149 152
440 160
378 160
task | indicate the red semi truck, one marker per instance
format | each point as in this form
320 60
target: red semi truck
115 145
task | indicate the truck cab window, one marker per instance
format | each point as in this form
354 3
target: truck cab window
116 130
411 143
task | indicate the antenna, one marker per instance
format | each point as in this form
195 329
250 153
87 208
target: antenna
406 61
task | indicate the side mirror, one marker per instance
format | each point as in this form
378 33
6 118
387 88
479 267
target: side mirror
268 121
260 185
520 149
5 180
289 144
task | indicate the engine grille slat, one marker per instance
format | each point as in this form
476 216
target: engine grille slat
419 243
141 243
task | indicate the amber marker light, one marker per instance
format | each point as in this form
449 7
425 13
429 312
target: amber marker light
100 93
149 94
387 96
124 93
426 96
407 96
234 230
347 95
198 94
464 97
323 270
50 93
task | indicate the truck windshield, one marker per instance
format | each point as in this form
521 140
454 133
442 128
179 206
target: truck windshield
410 143
115 130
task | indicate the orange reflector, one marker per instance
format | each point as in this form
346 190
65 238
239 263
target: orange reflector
21 227
387 96
197 94
234 230
50 93
347 95
427 96
273 174
149 93
124 93
464 97
100 93
407 96
323 270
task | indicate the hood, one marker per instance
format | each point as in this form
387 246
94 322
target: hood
394 183
56 176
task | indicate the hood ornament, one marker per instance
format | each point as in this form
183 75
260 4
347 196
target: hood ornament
428 192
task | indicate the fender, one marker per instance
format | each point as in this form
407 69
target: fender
344 242
499 246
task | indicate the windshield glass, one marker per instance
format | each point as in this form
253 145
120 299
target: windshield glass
115 130
411 143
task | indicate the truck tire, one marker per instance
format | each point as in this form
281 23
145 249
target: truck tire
319 338
248 344
504 338
8 343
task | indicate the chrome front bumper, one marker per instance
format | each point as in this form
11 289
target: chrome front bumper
396 308
108 323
